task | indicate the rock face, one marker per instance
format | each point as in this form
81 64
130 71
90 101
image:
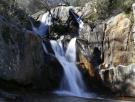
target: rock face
119 51
115 43
120 79
18 52
85 64
23 60
118 41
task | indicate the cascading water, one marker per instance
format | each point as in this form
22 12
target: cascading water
72 82
45 22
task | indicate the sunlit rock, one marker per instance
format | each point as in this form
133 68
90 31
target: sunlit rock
118 41
120 79
133 30
86 65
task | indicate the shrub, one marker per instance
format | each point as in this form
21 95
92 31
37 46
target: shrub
106 7
102 8
127 5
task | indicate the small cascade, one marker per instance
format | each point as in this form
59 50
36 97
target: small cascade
71 51
45 22
72 82
44 48
77 19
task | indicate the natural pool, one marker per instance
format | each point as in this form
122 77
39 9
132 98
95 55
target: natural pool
49 97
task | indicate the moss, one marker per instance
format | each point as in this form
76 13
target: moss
107 7
91 18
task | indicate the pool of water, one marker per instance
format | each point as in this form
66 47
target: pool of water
49 97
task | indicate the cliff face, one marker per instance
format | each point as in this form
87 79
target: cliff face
119 34
23 61
19 57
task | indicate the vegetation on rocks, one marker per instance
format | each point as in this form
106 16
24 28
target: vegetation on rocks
105 8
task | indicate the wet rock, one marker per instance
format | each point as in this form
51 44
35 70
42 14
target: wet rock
113 39
23 61
18 52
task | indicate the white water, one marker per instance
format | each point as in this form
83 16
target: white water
46 21
44 48
72 82
79 20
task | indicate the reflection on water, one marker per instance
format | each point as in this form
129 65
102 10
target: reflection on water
34 97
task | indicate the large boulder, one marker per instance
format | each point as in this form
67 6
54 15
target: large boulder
22 59
120 79
118 42
118 70
113 38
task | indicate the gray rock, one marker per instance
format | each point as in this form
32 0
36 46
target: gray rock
121 79
23 60
20 54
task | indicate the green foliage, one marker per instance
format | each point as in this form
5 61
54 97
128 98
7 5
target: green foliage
92 17
106 7
12 13
127 5
102 8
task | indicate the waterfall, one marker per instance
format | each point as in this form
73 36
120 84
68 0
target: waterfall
45 23
77 19
72 82
44 48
